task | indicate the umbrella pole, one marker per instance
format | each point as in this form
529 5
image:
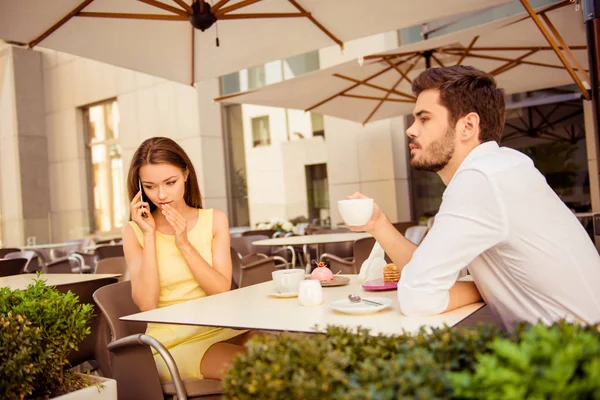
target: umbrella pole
591 11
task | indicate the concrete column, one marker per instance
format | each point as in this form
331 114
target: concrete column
210 166
24 183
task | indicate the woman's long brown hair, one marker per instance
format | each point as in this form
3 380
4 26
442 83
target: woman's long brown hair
162 150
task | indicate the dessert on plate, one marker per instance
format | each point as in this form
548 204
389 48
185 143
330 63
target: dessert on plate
322 273
391 273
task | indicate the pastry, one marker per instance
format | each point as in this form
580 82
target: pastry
391 273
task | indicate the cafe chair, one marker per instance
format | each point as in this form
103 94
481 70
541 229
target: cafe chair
244 247
7 250
72 264
130 355
114 265
255 269
33 262
361 249
107 251
93 348
12 266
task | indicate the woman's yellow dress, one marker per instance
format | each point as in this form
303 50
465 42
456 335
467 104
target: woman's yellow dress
187 344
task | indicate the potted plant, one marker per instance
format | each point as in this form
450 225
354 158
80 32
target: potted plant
39 326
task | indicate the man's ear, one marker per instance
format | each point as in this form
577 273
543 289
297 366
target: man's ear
469 126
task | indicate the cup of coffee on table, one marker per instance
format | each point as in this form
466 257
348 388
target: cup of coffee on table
287 280
356 212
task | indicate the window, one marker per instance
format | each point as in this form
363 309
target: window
318 128
256 77
317 192
261 134
105 166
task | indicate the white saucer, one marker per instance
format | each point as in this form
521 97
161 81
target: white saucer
283 295
347 307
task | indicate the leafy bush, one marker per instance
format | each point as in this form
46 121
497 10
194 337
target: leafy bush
557 362
348 364
39 326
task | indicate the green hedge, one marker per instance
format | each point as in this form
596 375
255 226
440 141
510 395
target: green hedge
445 363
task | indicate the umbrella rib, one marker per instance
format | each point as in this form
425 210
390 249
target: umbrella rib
234 7
357 84
518 48
513 126
545 117
399 71
263 15
437 60
317 23
184 5
467 50
165 7
374 86
157 17
388 56
217 6
60 23
564 45
390 91
557 51
486 57
358 96
511 64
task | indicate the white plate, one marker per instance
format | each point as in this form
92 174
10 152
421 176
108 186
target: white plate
346 306
283 295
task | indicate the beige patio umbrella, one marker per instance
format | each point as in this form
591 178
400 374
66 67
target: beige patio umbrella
156 37
513 49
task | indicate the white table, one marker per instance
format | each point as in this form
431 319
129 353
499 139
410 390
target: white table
23 280
252 308
313 239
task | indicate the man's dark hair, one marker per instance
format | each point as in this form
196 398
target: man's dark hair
465 89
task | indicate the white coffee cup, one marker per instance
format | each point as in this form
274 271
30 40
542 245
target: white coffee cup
310 293
287 280
356 212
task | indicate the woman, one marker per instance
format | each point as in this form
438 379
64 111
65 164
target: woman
177 251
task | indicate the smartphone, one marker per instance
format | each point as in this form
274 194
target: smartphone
144 215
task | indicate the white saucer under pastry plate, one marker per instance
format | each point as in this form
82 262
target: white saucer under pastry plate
348 307
283 295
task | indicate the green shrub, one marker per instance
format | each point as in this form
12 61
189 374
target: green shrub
39 327
559 362
352 364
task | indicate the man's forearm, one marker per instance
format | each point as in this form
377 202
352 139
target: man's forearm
461 294
398 248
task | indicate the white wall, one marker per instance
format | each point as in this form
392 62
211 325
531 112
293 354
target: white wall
148 107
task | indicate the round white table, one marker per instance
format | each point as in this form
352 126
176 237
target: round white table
313 239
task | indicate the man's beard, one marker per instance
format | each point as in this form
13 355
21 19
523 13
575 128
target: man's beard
438 153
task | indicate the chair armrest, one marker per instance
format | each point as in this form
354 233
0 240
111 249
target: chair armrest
325 256
253 257
283 262
141 339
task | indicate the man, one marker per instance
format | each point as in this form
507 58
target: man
529 256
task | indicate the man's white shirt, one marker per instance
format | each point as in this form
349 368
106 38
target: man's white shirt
529 256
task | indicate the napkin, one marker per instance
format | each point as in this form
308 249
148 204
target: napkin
372 267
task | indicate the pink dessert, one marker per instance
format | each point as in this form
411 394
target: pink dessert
322 273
